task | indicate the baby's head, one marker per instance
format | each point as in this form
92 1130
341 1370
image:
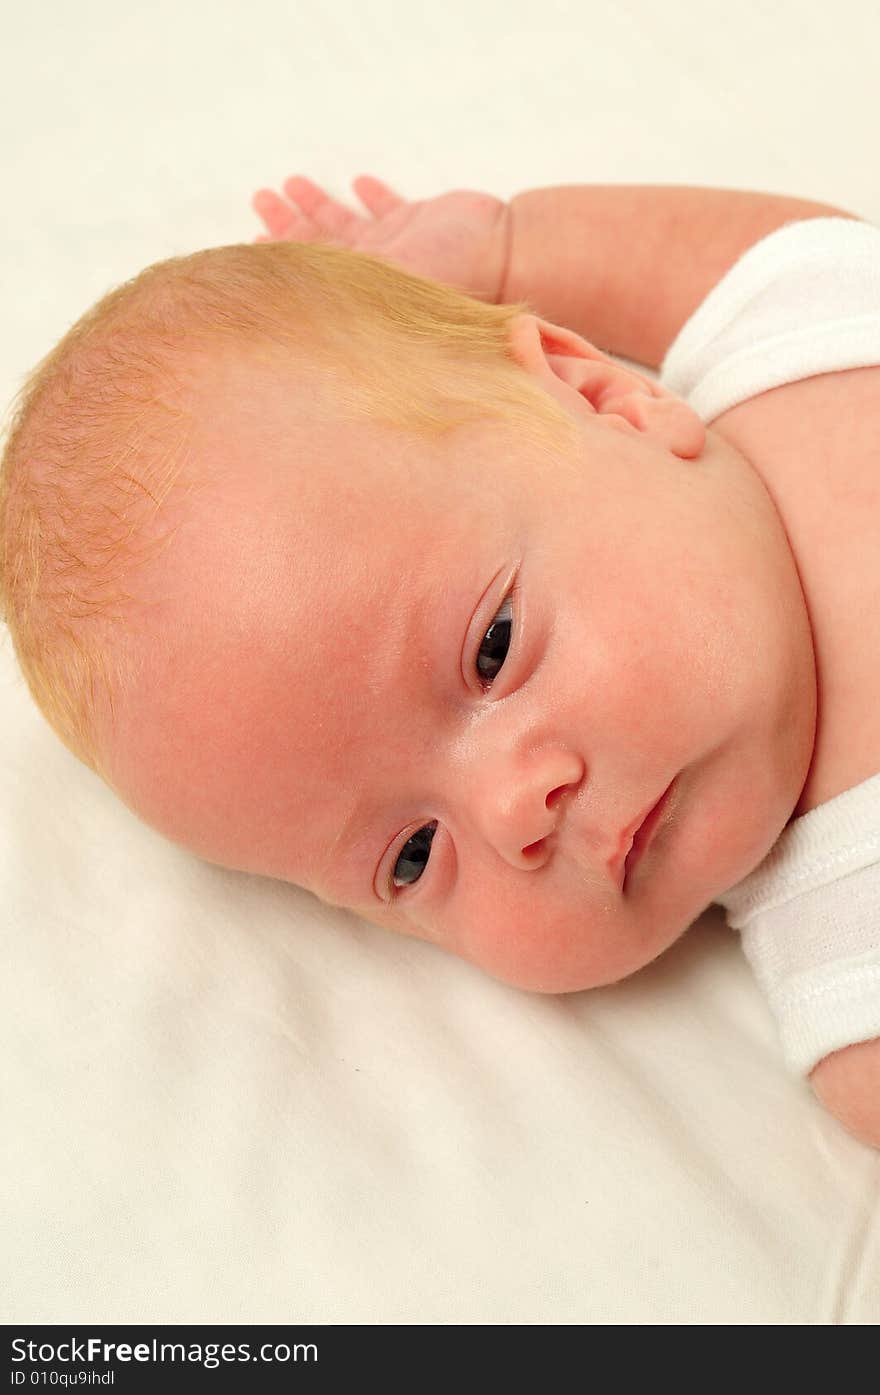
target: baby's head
342 577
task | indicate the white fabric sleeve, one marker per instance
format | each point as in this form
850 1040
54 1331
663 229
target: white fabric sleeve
804 300
809 916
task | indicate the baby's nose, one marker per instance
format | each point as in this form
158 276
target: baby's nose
519 802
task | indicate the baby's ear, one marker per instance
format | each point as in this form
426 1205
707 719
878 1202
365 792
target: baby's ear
584 379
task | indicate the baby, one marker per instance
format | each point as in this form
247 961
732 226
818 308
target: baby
349 559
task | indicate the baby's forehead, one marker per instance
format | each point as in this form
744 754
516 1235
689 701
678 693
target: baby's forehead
278 425
275 448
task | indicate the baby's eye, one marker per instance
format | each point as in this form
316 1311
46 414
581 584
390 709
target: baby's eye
496 642
414 856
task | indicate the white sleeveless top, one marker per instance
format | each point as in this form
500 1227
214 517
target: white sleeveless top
804 300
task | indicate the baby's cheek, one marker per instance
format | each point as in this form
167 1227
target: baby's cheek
538 947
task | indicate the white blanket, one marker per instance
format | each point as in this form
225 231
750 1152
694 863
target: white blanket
221 1101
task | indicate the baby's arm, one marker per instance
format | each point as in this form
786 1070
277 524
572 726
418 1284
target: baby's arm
848 1084
626 265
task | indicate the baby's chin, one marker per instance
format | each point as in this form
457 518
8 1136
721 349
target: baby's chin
620 949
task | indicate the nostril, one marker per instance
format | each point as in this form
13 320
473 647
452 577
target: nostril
533 849
554 796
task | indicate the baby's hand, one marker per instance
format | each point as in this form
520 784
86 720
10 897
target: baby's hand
459 238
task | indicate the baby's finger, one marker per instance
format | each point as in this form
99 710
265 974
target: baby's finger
327 214
376 196
275 213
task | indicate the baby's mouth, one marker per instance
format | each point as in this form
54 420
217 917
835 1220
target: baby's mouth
645 833
633 844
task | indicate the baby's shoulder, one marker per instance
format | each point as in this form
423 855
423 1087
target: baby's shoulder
815 424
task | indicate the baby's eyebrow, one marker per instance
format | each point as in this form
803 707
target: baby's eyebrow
353 820
350 874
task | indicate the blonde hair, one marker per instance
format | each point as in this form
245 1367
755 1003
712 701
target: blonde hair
98 435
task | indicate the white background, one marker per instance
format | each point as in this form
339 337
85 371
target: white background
222 1102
